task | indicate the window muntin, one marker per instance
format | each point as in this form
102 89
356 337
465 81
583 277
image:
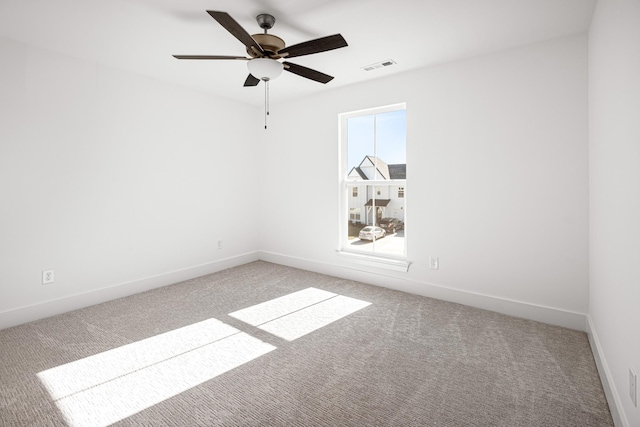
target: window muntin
376 184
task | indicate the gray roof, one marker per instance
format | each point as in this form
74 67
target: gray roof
378 202
398 171
360 172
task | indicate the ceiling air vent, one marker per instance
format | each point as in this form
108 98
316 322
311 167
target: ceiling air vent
381 64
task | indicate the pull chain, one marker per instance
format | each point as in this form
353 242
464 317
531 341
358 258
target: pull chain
266 102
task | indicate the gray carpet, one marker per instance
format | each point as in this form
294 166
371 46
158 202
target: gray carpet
394 360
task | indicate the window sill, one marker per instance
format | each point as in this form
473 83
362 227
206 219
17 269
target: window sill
376 261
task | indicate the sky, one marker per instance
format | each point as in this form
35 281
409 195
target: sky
390 138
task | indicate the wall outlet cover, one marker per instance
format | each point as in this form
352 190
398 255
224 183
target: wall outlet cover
47 276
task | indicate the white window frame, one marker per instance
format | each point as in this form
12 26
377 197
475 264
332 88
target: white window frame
371 258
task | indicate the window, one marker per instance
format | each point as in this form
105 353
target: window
373 167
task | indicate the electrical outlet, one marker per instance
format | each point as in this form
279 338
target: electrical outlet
434 263
47 277
219 244
633 387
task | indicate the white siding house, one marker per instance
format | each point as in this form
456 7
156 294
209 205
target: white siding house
368 202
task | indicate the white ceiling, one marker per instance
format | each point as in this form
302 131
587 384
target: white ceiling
141 35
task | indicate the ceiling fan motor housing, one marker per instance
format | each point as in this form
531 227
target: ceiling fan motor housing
269 43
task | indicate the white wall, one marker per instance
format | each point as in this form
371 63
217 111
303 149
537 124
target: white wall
111 178
614 153
497 180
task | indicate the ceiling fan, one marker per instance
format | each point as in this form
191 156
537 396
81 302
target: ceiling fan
265 50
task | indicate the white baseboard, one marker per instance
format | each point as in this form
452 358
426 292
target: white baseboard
540 313
610 391
356 272
49 308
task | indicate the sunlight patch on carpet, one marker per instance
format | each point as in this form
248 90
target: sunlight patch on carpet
300 313
105 388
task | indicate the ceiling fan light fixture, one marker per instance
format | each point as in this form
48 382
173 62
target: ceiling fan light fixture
264 68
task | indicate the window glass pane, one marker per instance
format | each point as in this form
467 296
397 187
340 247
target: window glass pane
376 225
376 141
390 144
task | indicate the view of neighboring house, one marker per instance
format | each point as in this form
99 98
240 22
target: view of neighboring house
383 201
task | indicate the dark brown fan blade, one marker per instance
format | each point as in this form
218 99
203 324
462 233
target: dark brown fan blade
251 81
307 72
235 29
323 44
208 57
